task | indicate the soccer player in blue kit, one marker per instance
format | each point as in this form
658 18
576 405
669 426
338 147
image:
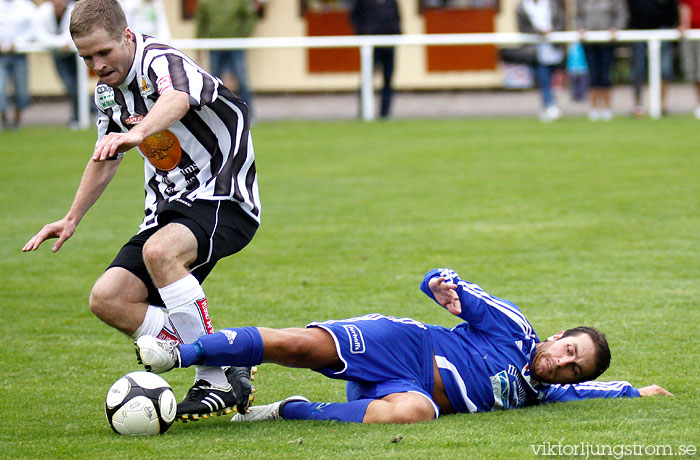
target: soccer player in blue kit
400 370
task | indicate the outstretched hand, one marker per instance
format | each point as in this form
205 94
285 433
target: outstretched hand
114 143
62 229
446 295
654 390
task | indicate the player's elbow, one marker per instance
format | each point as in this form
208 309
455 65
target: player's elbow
180 101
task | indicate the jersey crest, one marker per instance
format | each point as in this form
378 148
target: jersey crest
146 88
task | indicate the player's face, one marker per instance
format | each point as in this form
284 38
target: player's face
566 360
108 57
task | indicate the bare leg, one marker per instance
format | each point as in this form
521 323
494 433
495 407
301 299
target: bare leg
400 408
594 98
311 348
664 92
119 299
169 253
606 97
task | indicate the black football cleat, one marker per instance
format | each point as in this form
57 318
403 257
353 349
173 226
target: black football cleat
241 379
205 400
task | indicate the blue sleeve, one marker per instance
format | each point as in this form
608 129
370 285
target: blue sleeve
480 309
590 390
472 308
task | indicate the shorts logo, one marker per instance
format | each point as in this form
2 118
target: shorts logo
357 342
186 203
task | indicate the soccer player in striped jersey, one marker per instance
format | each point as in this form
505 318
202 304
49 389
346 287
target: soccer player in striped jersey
202 201
400 370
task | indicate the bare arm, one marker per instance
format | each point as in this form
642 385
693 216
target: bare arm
93 183
170 107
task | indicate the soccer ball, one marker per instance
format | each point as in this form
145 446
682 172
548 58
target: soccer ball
139 404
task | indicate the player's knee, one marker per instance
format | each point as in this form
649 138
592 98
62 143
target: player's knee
413 411
154 252
408 417
298 348
411 414
101 299
295 348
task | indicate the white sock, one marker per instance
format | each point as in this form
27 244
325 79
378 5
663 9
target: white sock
187 308
153 323
157 324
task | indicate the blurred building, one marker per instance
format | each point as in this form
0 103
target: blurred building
291 70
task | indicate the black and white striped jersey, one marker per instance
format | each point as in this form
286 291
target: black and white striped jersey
208 154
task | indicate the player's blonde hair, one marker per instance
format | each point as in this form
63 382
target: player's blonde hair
91 14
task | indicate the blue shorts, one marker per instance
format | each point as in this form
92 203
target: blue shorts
381 355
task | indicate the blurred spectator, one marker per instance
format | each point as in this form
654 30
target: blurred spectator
542 17
226 19
54 18
379 17
577 72
689 11
147 17
609 15
651 14
17 28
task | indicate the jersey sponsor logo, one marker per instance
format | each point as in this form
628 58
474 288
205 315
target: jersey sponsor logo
357 342
501 390
162 150
509 388
105 97
134 120
230 335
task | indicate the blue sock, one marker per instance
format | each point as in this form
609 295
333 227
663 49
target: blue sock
190 354
228 347
353 411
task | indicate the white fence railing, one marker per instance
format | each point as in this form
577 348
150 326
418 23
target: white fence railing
367 43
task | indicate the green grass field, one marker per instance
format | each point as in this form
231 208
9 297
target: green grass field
577 223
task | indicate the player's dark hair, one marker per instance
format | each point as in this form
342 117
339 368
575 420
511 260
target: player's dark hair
91 14
602 350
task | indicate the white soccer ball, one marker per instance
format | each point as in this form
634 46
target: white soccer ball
139 404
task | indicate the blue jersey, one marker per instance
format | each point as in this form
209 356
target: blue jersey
484 362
